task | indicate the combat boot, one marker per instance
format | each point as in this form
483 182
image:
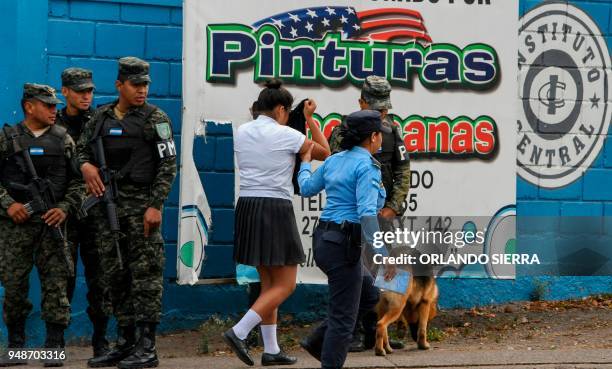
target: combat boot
16 340
145 353
99 343
54 340
124 346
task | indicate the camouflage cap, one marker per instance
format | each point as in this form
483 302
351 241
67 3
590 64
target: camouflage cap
77 79
43 93
376 92
134 69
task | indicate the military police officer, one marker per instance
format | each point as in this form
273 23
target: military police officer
77 88
395 168
36 196
138 146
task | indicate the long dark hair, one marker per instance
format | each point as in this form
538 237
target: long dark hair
272 95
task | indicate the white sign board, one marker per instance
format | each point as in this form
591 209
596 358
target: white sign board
452 64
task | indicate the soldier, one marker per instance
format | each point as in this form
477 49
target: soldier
395 168
35 155
77 88
138 146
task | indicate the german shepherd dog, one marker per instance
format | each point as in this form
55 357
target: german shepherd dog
416 307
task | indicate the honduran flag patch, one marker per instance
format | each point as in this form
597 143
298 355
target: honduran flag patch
37 151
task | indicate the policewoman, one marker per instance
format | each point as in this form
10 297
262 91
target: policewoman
355 194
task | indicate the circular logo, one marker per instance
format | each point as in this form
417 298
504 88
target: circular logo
563 85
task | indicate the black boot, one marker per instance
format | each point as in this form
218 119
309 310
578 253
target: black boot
124 346
356 344
54 340
99 343
369 329
144 354
16 340
396 344
313 343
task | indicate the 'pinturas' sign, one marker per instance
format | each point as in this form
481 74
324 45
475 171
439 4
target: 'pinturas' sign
334 61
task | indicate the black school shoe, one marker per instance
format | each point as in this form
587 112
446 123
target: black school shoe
277 359
238 346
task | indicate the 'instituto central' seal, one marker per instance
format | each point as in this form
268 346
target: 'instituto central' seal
563 84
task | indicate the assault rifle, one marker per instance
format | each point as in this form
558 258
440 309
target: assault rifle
39 190
111 191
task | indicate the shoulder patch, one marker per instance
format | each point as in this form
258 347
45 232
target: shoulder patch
163 130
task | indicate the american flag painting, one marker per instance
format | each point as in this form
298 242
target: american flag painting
387 24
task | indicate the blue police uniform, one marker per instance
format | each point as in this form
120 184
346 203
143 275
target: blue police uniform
355 194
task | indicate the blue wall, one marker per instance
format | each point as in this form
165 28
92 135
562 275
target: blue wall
42 37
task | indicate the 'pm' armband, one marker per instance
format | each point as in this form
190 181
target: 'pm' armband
402 152
166 149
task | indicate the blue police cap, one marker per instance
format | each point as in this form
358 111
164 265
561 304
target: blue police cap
366 122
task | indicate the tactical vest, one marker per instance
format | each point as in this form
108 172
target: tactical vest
74 125
125 147
385 158
47 152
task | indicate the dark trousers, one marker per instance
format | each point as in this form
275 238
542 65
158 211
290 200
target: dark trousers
342 265
81 235
368 300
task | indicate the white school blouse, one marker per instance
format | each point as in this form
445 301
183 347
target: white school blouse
265 152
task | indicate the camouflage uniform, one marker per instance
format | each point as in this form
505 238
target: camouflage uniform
395 170
133 293
80 232
31 243
395 164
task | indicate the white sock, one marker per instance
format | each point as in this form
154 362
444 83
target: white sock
268 333
246 324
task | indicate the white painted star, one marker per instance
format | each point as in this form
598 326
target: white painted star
277 23
350 10
330 11
311 13
309 26
294 32
325 22
344 35
294 17
343 19
356 27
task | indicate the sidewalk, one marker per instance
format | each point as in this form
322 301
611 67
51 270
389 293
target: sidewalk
408 358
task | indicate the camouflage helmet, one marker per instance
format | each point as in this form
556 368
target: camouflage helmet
39 92
133 69
376 92
77 79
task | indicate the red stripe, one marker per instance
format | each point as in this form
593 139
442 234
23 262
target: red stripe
388 11
390 35
391 23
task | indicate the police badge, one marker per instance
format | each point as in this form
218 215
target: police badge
163 130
